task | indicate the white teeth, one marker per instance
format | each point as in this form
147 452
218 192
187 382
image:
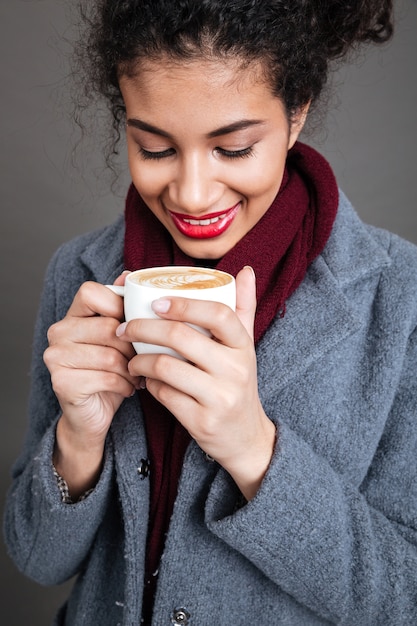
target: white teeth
206 222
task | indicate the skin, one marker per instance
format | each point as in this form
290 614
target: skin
230 153
195 173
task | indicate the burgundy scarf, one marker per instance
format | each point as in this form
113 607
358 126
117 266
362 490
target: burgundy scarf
280 247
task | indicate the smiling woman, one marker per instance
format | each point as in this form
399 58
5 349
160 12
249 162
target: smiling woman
266 471
211 181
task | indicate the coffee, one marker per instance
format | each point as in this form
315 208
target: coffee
180 278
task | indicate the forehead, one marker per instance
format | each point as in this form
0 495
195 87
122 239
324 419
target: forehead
225 85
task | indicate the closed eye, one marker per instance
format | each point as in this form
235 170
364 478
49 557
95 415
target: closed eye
162 154
236 154
229 154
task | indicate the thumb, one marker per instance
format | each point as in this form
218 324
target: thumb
120 280
246 298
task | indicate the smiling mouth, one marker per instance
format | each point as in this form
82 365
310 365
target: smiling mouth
208 226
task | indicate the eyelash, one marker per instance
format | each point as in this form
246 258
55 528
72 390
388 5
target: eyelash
229 154
155 156
236 154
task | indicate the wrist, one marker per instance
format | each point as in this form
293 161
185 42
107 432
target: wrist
66 497
249 472
77 461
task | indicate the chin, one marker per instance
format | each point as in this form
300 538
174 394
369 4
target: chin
205 250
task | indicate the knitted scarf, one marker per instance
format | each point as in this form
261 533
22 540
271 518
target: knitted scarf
280 248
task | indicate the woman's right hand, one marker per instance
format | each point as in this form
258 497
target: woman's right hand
88 364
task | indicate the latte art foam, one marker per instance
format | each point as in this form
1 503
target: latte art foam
181 278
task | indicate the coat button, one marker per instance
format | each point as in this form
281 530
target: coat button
180 617
144 468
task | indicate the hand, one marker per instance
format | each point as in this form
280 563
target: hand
89 373
214 394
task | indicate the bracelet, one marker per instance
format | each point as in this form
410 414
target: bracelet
64 490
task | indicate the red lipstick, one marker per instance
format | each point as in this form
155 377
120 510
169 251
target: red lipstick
205 226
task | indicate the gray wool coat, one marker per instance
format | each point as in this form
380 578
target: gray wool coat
331 536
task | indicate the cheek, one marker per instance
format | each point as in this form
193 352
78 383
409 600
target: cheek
146 176
148 183
263 175
263 181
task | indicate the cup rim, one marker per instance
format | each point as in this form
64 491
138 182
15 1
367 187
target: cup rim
167 268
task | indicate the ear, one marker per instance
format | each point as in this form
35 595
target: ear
297 124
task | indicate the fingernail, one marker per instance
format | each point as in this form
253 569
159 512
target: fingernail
249 267
120 330
161 305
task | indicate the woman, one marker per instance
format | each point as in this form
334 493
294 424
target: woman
270 476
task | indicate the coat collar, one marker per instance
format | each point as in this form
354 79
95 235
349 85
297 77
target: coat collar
353 252
319 315
104 254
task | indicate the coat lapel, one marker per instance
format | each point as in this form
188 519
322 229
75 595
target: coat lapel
104 256
319 315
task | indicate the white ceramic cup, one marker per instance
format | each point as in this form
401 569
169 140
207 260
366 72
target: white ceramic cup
144 286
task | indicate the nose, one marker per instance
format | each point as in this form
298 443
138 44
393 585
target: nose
195 187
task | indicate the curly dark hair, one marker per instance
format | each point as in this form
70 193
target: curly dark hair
294 39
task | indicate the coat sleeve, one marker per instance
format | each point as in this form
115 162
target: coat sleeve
49 540
348 554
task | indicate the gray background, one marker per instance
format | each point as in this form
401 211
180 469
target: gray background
370 137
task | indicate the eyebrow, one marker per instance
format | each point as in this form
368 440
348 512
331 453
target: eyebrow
224 130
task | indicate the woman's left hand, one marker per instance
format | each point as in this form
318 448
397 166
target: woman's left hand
214 394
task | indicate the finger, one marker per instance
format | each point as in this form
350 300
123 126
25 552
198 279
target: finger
246 298
216 378
183 407
90 331
181 375
219 319
95 299
189 342
120 280
88 357
74 386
